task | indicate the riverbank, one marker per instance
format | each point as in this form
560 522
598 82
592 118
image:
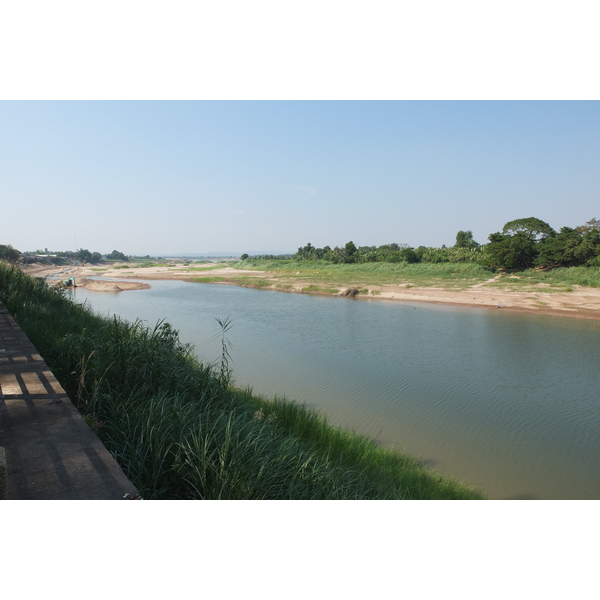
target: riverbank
179 429
491 291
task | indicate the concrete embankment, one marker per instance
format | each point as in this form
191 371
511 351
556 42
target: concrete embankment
50 452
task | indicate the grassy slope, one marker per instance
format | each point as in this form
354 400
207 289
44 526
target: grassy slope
457 276
179 430
329 277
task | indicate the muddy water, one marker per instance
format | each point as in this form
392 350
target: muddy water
507 402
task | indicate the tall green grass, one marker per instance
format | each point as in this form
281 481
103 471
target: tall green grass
179 428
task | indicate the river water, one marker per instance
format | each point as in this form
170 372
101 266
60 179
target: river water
507 402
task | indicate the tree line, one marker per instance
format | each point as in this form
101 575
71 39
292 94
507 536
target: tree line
12 255
530 242
522 244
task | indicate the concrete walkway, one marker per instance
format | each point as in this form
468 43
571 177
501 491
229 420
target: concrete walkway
51 452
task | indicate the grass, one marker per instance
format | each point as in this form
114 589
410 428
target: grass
142 265
206 279
560 280
322 290
383 471
362 276
179 428
253 282
191 269
320 276
564 276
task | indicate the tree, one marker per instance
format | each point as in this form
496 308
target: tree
350 252
592 224
519 244
533 228
589 250
244 257
464 239
83 255
116 255
560 250
516 251
9 254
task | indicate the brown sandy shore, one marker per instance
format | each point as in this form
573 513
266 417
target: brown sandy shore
582 302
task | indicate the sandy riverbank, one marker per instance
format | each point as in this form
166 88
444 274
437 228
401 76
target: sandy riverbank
582 302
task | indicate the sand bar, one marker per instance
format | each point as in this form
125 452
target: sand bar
582 302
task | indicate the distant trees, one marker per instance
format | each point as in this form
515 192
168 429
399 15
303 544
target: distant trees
464 239
9 254
522 244
116 255
83 255
350 252
530 242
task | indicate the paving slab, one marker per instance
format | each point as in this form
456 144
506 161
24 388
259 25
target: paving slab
50 452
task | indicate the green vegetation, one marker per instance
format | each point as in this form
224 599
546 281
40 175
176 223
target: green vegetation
181 430
322 290
342 275
529 242
560 279
206 279
323 277
523 243
82 255
188 269
464 239
116 255
9 254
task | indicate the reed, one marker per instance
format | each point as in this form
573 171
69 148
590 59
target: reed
179 428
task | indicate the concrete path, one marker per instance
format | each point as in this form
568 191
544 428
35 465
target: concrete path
50 451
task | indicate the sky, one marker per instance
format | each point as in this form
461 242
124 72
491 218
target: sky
170 177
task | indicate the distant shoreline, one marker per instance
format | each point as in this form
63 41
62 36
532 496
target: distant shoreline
581 303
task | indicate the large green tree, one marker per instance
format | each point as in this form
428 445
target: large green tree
518 246
533 228
504 251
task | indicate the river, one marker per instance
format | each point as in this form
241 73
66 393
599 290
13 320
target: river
507 402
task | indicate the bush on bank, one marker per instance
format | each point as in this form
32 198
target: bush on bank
180 430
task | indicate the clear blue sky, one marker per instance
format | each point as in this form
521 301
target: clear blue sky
151 177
